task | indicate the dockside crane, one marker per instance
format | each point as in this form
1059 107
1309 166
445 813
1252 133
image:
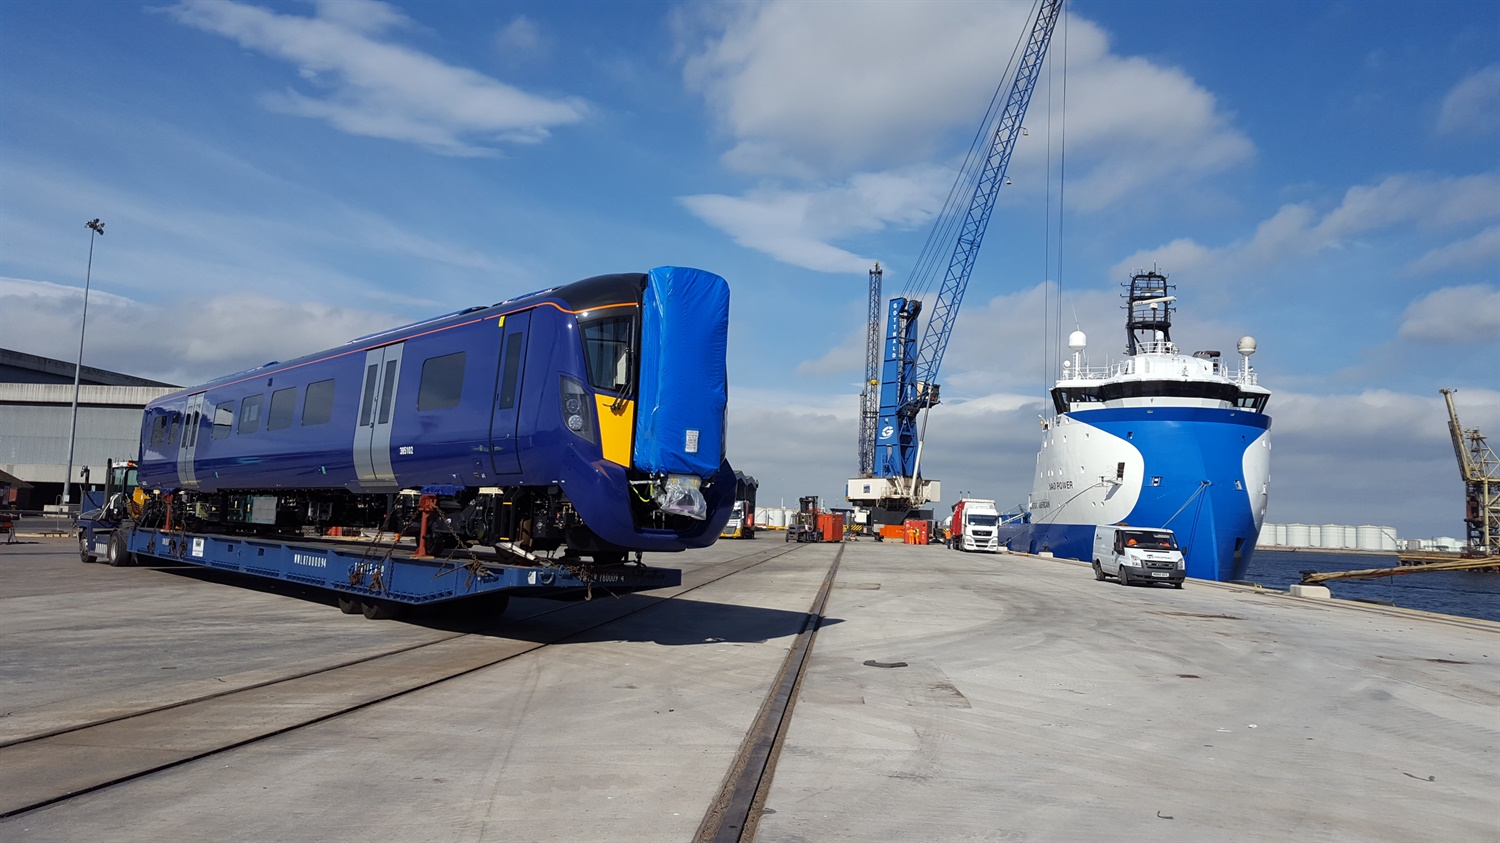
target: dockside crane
1480 469
869 397
894 486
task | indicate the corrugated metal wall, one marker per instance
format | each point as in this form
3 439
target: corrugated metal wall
34 425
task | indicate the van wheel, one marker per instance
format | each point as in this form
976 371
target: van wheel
1098 571
1177 585
1124 576
84 550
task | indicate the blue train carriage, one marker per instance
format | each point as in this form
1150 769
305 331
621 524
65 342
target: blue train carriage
564 430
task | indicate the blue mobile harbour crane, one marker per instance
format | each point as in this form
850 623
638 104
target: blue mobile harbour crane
536 447
891 487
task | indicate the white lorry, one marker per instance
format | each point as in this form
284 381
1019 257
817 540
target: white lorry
974 526
1138 555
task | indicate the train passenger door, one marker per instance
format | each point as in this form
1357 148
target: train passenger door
377 401
505 455
191 420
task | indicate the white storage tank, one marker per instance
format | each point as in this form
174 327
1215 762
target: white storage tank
1281 535
1267 535
1314 535
771 518
1332 536
1388 538
1298 535
1351 536
1368 537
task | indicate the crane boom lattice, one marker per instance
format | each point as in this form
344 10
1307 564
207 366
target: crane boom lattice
1479 467
869 397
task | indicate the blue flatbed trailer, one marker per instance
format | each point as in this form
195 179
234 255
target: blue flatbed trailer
378 580
359 569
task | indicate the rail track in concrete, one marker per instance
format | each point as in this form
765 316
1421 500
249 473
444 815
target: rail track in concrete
51 767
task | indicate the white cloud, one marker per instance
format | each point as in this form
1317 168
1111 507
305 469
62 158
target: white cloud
796 226
1473 106
195 339
379 89
522 36
883 87
1481 250
1408 200
1465 314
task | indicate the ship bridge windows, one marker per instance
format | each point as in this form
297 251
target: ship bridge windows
1063 399
1210 390
1252 401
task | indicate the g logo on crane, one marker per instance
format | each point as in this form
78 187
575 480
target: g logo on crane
885 432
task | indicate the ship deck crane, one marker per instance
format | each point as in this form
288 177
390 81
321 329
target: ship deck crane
1480 469
908 383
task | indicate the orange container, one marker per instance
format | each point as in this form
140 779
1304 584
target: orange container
916 532
831 525
892 531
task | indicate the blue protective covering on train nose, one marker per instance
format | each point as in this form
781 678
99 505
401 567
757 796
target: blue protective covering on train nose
684 381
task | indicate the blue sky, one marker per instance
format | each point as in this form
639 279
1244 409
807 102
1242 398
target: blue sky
276 178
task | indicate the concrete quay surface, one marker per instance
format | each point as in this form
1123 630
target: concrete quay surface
1034 704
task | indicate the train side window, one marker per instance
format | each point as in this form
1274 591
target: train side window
389 391
606 349
223 419
367 405
513 347
442 383
317 407
250 414
159 430
283 402
172 427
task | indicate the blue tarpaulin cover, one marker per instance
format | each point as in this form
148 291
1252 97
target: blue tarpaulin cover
679 426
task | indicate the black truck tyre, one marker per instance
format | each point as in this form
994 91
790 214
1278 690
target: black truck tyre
118 554
85 553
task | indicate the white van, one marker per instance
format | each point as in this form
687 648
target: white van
1138 555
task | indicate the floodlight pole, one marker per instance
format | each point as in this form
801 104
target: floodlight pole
95 228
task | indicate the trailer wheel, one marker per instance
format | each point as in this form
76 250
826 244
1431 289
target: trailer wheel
350 605
83 549
118 553
380 610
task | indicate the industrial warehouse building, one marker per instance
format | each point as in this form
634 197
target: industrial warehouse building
36 400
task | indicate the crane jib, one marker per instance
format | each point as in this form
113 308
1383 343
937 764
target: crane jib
909 374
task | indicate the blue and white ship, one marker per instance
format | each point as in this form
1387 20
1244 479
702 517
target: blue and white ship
1158 439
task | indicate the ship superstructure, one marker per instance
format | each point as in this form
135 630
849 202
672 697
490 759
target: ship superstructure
1159 439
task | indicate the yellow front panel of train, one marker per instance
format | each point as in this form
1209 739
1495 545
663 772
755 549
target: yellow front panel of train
615 428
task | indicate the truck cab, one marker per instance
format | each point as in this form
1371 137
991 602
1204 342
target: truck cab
97 527
1138 555
975 526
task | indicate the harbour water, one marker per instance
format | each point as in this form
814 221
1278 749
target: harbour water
1470 594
